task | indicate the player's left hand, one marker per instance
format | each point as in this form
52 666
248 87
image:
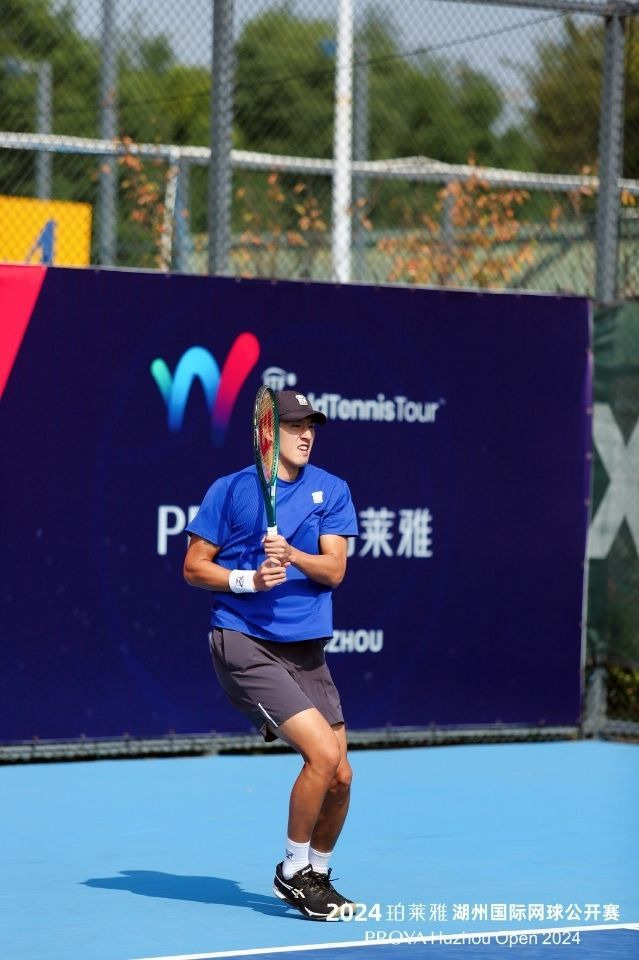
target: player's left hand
277 548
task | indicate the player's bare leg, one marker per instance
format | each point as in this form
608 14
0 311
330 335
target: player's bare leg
335 806
318 808
310 734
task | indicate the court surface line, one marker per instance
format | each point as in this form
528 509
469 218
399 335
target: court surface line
430 938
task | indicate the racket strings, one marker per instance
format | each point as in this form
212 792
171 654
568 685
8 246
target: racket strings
265 436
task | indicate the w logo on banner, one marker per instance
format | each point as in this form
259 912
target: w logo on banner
220 389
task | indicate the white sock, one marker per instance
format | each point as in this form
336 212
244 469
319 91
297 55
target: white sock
295 857
318 860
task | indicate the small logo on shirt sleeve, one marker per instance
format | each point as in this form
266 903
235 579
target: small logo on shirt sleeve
318 496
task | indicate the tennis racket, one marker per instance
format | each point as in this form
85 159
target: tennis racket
266 447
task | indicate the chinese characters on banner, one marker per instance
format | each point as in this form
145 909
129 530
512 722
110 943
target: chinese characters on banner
377 533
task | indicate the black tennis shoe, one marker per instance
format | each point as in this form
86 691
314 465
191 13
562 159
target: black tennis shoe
337 898
308 892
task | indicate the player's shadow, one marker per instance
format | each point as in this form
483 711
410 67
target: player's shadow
171 886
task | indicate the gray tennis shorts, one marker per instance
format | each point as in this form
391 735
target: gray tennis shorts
271 682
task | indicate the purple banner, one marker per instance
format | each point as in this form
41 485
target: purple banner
460 421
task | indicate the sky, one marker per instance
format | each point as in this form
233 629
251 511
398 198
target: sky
421 23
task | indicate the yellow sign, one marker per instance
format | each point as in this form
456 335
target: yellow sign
55 232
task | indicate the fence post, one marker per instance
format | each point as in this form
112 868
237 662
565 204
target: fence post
595 705
220 174
343 145
611 116
107 250
44 107
182 218
360 152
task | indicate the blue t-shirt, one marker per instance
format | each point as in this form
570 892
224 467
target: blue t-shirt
233 517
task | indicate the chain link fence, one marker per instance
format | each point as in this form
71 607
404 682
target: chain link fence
450 143
470 155
612 663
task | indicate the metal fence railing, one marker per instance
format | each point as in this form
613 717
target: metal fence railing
370 141
541 235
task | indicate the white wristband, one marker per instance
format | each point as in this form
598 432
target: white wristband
242 581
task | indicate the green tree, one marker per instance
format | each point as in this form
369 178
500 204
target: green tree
447 117
158 99
284 90
425 106
167 107
416 105
32 32
565 85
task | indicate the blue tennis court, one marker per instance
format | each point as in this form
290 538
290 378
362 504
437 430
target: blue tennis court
470 851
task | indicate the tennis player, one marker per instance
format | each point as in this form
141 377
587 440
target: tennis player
271 616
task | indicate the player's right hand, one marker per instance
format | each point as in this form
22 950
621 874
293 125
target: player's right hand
268 575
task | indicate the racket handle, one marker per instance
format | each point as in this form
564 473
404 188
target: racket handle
272 532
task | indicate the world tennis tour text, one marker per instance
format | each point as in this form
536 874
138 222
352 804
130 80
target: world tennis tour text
380 408
407 532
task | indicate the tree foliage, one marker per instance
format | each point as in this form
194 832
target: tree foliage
565 87
412 104
284 90
284 96
470 237
285 85
32 31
